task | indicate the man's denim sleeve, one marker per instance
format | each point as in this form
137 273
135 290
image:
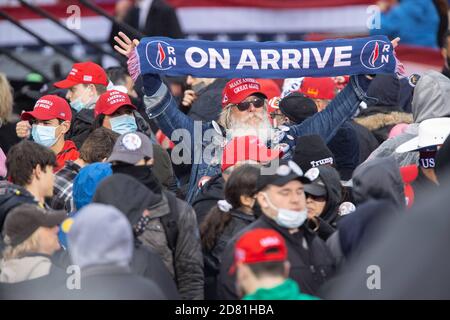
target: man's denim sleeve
340 109
161 106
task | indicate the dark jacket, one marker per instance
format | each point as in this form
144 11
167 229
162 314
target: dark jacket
411 254
210 193
81 126
185 264
161 21
11 196
387 112
112 283
421 185
208 106
329 217
37 288
310 268
8 136
366 140
213 257
379 179
345 148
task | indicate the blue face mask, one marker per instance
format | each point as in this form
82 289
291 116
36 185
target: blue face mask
77 105
44 135
123 124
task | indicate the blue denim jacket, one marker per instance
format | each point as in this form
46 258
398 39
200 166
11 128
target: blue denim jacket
205 156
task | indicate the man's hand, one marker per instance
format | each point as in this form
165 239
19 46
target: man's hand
188 98
125 45
395 42
23 129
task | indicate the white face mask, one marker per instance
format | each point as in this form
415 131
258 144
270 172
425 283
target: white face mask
288 218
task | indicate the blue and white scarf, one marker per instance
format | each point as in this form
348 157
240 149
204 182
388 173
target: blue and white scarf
237 59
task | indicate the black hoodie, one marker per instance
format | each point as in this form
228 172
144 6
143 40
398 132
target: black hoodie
379 179
329 216
211 192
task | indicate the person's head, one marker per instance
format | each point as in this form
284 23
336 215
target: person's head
98 145
120 77
324 193
114 110
100 236
311 151
281 195
30 164
239 195
432 134
50 120
245 150
6 99
260 260
86 182
134 149
31 229
297 107
128 195
320 90
245 109
85 83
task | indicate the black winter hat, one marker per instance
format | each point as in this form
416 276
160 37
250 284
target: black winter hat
297 107
311 151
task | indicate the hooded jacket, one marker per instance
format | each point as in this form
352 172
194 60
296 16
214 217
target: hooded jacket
210 193
379 179
431 99
11 196
186 263
213 257
329 216
386 113
310 259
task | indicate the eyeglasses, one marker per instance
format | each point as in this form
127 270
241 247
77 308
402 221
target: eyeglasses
257 103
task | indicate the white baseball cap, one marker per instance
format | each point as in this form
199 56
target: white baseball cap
432 132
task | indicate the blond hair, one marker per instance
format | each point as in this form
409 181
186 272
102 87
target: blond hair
30 245
6 99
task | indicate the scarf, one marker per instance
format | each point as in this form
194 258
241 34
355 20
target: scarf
237 59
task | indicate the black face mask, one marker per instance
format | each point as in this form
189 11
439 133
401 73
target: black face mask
143 174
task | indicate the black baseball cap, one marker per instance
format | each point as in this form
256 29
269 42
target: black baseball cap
285 172
316 188
297 107
25 219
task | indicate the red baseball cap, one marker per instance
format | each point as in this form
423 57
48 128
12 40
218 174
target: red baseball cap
83 72
49 107
247 148
237 90
259 245
319 88
269 88
110 101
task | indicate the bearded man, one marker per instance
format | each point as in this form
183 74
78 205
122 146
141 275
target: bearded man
244 113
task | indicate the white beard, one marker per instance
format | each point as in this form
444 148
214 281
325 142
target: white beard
263 130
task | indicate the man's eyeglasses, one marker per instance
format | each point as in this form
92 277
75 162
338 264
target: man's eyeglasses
257 103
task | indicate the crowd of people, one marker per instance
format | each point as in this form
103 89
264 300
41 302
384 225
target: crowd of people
106 191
